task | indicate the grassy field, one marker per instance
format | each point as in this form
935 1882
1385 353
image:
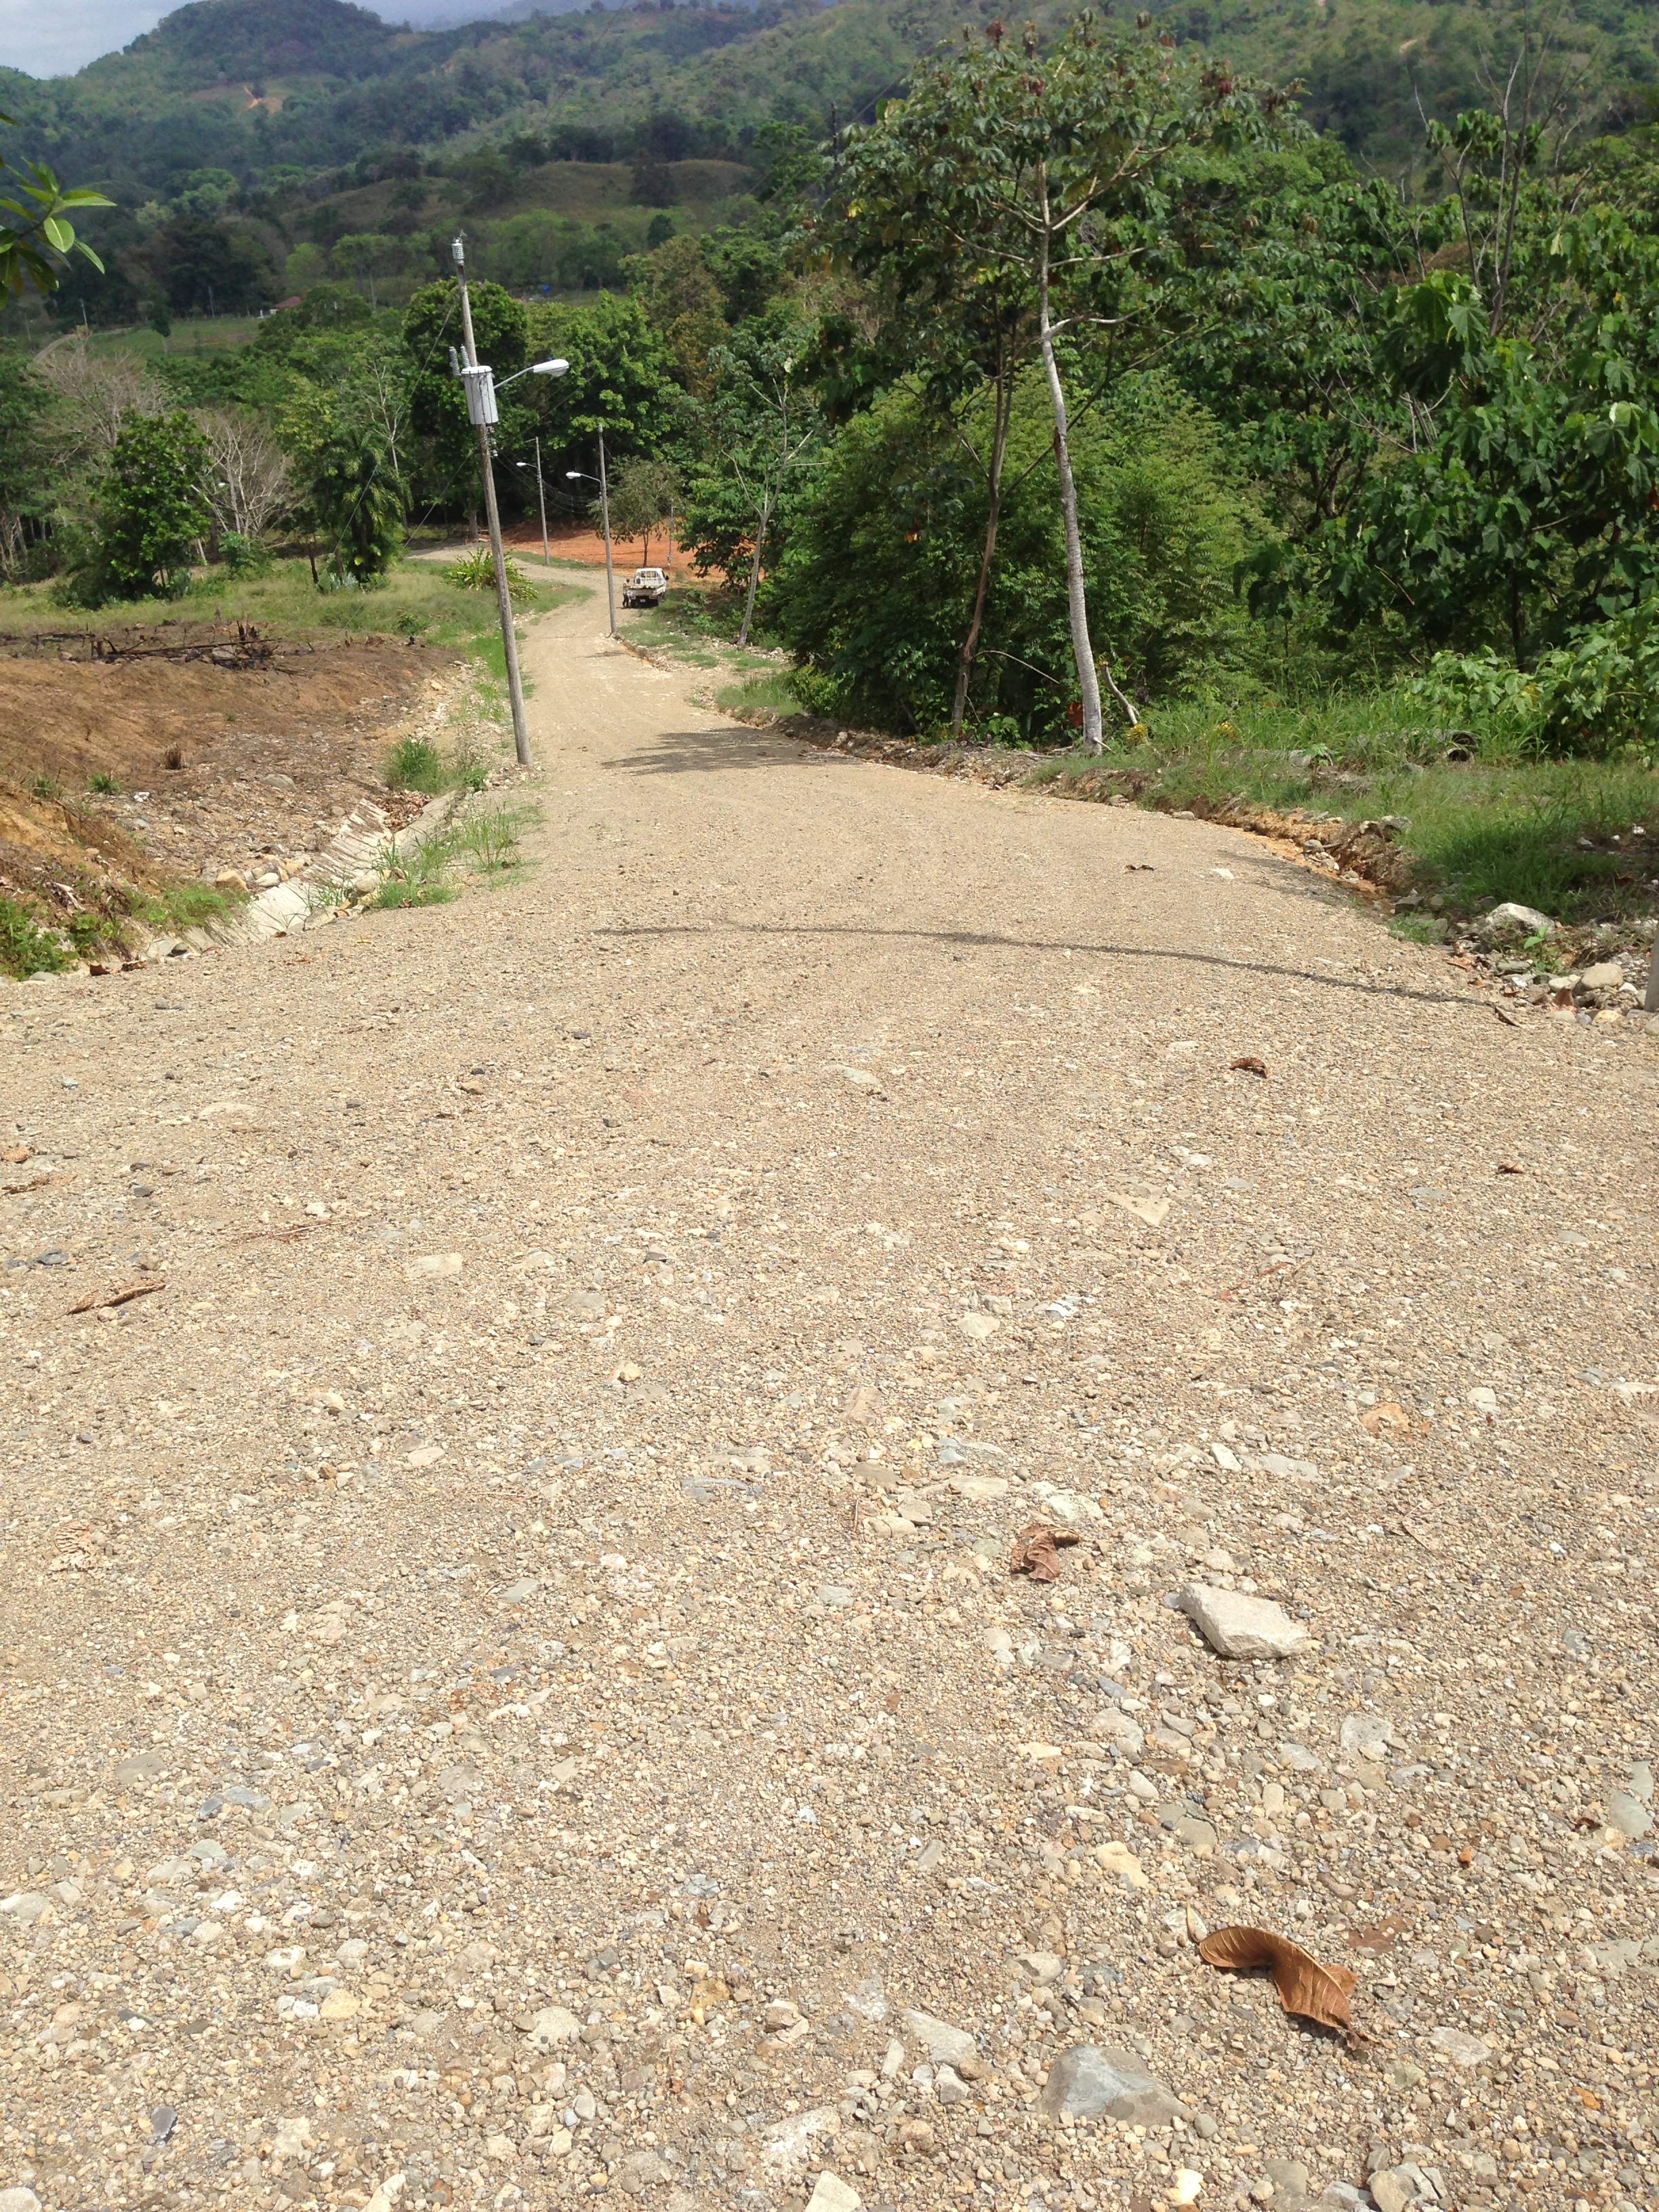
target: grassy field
416 600
204 334
1577 839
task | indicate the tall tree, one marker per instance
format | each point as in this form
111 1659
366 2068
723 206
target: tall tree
1054 173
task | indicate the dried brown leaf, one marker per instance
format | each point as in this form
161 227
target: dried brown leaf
15 1155
1034 1552
1250 1064
1305 1988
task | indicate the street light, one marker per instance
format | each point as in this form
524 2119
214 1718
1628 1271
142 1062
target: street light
480 388
541 501
604 509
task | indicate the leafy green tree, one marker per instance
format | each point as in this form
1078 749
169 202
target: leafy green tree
621 379
365 253
1526 513
683 304
644 495
764 433
1054 171
206 269
353 494
25 457
37 236
867 589
151 509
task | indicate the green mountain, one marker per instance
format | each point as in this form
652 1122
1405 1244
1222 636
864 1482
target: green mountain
264 118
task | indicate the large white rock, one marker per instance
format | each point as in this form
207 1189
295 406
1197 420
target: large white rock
832 2194
945 2044
1241 1627
1512 920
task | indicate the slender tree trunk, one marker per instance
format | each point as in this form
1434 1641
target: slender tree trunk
970 643
1082 650
754 570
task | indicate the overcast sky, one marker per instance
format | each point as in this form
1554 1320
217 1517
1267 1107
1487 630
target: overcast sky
56 40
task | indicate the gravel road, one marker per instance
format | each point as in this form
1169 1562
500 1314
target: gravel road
513 1687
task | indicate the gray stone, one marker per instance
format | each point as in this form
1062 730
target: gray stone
835 1597
1511 919
1605 975
1393 2188
1366 1736
25 1907
949 2087
943 2044
1114 1726
641 2170
1043 1966
1289 2177
140 1767
1087 2081
1241 1627
1628 1814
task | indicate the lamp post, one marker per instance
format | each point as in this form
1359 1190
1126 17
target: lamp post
604 509
480 387
541 502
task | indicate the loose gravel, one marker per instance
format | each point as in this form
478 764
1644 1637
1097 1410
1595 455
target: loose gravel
513 1688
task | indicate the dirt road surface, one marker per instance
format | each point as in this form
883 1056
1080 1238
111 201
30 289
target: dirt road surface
514 1691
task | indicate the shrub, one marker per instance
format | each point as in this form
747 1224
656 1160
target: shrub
26 949
475 572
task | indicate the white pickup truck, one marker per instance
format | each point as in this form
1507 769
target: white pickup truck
644 588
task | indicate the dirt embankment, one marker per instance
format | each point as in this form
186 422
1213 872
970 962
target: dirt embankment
245 761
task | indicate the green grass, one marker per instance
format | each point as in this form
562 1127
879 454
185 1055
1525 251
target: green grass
26 949
482 846
699 627
414 602
1479 831
491 840
206 334
102 782
772 693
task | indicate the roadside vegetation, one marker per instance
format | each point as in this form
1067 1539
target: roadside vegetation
1089 406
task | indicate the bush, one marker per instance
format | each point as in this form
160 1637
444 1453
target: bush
1597 695
26 949
149 514
475 572
875 585
243 555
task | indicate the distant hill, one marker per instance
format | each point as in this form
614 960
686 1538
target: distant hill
231 109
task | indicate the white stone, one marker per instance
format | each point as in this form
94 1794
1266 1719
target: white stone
943 2043
1462 2049
19 2200
832 2194
785 2143
1366 1736
1526 920
431 1264
1240 1627
553 2026
979 1326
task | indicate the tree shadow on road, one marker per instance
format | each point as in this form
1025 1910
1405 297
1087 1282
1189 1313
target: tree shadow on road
981 940
687 752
